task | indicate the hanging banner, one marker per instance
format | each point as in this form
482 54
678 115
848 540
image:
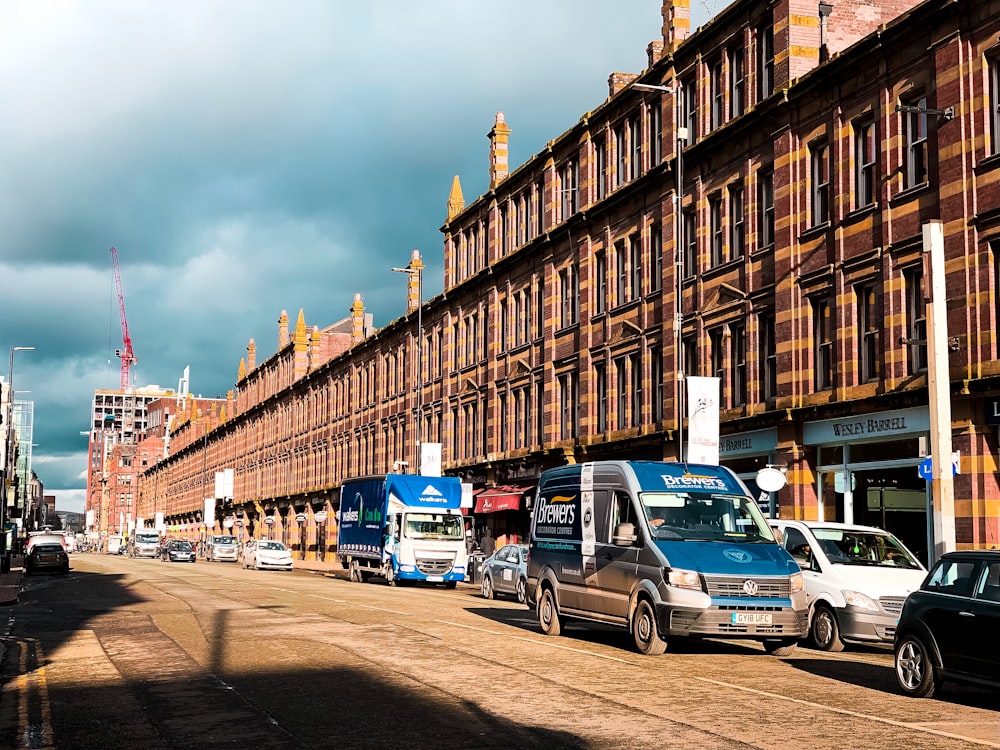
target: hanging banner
209 512
703 420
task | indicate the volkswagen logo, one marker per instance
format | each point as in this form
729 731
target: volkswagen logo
750 587
738 555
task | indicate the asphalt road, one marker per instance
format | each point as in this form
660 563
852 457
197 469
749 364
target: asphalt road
145 655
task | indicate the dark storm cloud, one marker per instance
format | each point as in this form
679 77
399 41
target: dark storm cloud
251 157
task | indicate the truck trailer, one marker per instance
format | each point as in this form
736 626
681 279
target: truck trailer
403 527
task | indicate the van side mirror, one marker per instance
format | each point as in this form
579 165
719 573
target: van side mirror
624 535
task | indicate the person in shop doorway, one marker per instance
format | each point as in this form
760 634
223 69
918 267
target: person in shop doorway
470 539
488 544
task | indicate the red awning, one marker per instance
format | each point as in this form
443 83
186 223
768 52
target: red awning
501 497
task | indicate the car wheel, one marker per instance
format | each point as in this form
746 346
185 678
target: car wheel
522 590
487 587
915 672
548 613
780 646
645 631
825 632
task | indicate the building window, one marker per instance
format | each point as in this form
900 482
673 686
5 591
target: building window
601 384
738 85
823 326
502 421
635 367
915 135
504 229
655 134
601 282
718 94
765 62
765 206
656 251
522 219
635 135
819 158
916 320
570 191
737 225
601 157
716 341
504 323
690 244
715 224
689 347
621 263
621 153
690 113
621 377
535 218
738 366
993 105
768 352
635 261
569 295
567 405
866 154
868 332
656 378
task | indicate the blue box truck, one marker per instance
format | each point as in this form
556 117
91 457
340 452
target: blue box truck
403 527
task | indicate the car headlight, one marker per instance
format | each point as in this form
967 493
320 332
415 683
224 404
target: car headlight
796 582
684 579
857 599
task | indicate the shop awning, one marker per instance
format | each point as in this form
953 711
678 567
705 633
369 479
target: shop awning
502 497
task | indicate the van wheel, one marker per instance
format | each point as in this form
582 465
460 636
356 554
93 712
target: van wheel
548 614
644 630
780 646
825 632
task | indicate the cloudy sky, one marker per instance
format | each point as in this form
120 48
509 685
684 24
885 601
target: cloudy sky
251 156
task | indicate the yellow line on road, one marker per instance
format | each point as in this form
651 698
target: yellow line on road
33 682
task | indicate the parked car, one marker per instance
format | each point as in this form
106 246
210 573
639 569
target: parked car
265 553
178 550
506 572
856 579
948 628
47 557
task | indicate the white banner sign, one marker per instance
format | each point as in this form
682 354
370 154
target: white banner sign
224 484
430 459
209 512
703 420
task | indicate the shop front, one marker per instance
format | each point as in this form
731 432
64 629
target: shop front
746 453
504 512
868 472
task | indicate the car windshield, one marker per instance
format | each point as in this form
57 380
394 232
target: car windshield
271 545
850 547
147 538
434 526
183 546
703 516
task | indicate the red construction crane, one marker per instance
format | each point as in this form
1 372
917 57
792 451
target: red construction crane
126 354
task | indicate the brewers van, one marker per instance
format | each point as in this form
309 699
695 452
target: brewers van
669 551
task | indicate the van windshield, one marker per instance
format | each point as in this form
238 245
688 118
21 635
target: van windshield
856 547
434 526
701 516
224 541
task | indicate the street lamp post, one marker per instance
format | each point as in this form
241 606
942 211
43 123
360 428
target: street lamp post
8 467
681 136
415 270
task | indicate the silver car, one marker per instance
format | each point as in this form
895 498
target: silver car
506 572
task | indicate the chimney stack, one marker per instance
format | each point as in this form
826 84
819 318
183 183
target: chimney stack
499 137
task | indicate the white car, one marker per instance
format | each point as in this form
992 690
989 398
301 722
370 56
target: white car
856 579
265 553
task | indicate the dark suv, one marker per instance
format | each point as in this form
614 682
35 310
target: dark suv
948 627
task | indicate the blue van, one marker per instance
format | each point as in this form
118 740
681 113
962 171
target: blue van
667 550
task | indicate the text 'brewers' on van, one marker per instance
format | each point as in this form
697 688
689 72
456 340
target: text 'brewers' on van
669 551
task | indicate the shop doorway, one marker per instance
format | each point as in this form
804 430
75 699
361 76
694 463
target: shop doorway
894 500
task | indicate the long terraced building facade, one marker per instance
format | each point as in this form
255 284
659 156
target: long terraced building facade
751 207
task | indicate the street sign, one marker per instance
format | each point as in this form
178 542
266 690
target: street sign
926 468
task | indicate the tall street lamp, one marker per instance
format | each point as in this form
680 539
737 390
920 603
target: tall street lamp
415 292
681 135
8 469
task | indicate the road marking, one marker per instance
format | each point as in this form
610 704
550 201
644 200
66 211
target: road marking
355 604
848 712
33 733
535 641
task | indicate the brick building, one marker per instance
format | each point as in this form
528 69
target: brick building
750 207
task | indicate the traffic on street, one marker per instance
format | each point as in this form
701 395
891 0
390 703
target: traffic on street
129 652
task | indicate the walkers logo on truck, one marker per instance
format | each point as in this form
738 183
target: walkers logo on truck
432 494
556 516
